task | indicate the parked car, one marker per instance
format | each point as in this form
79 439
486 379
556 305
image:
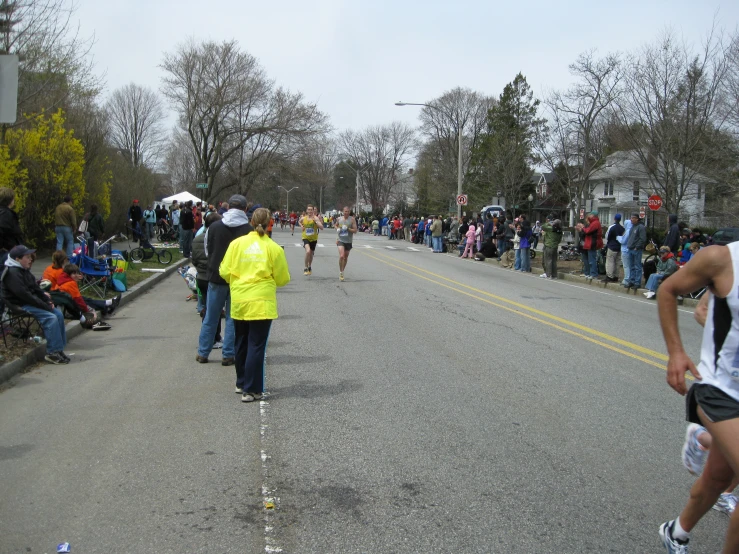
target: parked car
725 236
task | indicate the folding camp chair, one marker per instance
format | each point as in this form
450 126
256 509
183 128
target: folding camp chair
18 323
96 275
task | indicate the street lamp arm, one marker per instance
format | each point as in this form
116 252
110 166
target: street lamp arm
416 104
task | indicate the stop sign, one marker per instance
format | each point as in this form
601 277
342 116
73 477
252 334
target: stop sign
654 202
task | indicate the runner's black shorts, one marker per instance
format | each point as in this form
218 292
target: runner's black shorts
347 245
311 243
715 403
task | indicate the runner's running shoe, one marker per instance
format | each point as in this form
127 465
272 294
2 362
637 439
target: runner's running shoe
726 503
671 544
694 455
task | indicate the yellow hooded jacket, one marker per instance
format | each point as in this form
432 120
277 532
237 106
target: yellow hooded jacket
254 267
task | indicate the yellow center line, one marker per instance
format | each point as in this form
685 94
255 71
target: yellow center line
528 312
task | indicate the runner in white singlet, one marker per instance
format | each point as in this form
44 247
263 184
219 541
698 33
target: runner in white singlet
346 227
713 401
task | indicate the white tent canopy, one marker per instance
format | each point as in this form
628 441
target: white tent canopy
180 197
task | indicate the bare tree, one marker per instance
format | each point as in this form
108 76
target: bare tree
379 153
224 101
136 116
459 109
180 162
671 116
577 118
54 65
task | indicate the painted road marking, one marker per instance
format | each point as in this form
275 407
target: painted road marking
533 314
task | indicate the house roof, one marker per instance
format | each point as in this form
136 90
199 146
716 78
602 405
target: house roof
628 164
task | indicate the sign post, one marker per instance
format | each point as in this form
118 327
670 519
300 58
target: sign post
202 187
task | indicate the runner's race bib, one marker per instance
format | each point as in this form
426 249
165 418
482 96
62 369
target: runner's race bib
309 231
343 232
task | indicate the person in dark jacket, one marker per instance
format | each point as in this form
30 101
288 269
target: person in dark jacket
96 225
18 287
200 261
219 235
672 239
187 224
135 216
500 232
613 256
636 244
10 229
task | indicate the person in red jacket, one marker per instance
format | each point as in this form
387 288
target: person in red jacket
593 242
69 283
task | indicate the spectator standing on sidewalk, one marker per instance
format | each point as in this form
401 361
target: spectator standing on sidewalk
10 229
135 216
436 235
525 244
625 261
552 230
200 261
96 226
187 224
672 238
636 243
613 257
65 221
18 286
150 219
254 266
593 242
221 233
536 233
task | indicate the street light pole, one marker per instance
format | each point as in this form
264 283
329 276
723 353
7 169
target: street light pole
459 146
287 207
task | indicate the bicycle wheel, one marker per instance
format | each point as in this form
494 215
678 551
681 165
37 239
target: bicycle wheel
137 254
165 257
532 253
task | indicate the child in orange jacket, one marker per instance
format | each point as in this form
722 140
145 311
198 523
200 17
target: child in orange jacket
68 282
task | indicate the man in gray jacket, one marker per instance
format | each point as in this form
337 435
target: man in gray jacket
220 234
636 242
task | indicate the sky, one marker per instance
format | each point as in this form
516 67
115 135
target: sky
355 59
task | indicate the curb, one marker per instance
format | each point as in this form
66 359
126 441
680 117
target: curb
74 329
613 287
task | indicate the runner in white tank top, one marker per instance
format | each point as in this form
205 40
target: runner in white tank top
713 401
346 227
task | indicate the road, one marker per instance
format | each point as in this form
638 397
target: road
426 404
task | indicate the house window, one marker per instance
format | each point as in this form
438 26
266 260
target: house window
636 191
608 187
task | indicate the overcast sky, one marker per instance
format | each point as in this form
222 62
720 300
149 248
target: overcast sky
356 59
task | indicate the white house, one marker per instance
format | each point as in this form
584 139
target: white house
623 185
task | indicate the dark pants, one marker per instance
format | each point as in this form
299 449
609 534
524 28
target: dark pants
550 261
203 288
186 242
251 345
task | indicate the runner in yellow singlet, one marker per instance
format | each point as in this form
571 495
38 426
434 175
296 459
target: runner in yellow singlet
310 223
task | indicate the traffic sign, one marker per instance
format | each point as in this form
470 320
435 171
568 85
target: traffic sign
462 200
582 214
654 202
201 186
642 212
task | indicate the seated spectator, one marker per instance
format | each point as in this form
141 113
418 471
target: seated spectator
68 282
666 266
58 261
19 288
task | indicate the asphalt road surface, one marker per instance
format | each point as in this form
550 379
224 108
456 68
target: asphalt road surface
426 404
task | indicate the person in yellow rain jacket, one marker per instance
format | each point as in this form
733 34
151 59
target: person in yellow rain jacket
254 266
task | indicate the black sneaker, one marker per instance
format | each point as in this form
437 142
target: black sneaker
116 300
101 326
63 355
56 358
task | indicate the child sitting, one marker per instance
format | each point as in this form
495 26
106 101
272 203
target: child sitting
68 282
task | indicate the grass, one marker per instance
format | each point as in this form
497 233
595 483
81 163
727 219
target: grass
134 275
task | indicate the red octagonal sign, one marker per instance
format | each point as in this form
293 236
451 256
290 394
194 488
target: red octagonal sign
654 202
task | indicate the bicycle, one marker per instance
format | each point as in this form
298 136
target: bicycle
146 252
